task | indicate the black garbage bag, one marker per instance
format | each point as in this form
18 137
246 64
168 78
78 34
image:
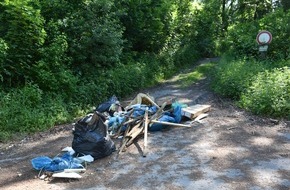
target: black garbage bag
91 137
110 106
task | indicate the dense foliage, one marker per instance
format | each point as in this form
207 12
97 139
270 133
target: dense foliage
258 81
59 58
269 93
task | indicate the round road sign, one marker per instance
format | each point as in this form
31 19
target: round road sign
264 37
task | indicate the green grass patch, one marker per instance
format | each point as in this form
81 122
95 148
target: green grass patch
199 73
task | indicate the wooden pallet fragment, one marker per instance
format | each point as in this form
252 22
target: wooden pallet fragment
195 110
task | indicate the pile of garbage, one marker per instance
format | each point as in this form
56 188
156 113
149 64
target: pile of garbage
93 134
137 118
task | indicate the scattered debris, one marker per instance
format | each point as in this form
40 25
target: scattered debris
274 121
19 174
93 133
142 115
43 176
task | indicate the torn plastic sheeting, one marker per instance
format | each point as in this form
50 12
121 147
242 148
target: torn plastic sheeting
138 110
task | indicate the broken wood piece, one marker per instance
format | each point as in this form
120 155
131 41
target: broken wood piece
142 98
171 124
145 132
200 117
134 128
194 111
130 134
123 145
124 141
136 131
158 112
169 100
132 120
72 175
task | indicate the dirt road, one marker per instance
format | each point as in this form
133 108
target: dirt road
230 149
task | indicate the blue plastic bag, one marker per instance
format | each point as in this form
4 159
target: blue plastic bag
174 117
56 164
41 162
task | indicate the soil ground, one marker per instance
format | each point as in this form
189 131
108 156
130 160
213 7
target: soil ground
230 149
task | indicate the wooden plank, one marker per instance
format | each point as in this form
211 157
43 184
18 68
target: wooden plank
67 175
135 132
145 133
169 123
195 110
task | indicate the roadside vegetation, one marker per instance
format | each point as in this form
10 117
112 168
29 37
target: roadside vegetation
59 59
258 84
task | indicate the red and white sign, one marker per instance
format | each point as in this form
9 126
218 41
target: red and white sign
264 37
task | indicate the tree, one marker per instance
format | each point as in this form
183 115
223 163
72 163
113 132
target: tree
22 29
94 35
147 23
285 4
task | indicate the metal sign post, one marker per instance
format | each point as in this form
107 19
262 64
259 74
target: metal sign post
263 38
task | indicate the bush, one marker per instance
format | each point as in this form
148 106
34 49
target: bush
94 35
232 77
269 93
28 109
241 40
121 80
52 73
